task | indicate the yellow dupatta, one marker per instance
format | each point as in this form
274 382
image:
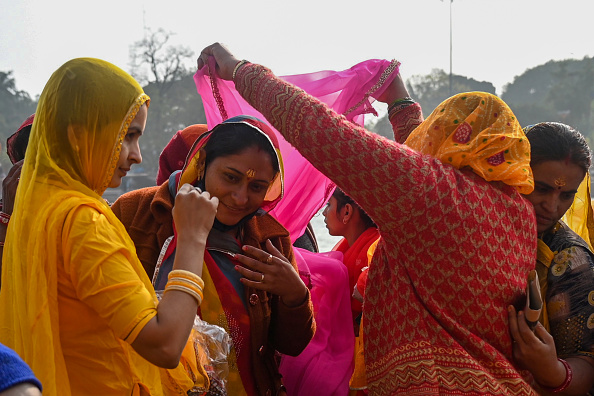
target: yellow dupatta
81 120
580 217
479 130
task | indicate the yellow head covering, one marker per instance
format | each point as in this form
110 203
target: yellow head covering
580 216
81 120
479 130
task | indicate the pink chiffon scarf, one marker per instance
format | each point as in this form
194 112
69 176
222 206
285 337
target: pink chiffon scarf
347 92
326 365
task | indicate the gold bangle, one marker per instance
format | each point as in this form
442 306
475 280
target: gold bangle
237 66
188 281
185 283
184 289
186 275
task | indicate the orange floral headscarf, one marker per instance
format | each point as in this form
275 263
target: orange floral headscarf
479 130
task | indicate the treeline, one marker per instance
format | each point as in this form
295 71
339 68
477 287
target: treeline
556 91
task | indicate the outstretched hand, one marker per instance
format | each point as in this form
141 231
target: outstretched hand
396 90
270 271
535 351
225 60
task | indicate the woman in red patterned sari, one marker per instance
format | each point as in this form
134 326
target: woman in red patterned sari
458 238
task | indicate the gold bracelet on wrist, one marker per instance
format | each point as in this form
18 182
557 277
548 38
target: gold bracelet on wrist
237 66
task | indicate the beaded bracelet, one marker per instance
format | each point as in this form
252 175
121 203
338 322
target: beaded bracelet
396 109
4 218
568 378
237 66
398 101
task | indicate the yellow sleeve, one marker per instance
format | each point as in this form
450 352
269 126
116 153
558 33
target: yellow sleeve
106 273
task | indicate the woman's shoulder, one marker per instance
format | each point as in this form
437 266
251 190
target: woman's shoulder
149 202
563 238
136 197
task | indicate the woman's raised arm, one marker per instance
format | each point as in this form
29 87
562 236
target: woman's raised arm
367 166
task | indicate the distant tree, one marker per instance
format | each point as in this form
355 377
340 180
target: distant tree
153 61
164 71
556 91
432 89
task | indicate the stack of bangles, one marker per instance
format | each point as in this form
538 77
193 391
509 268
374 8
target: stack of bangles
566 383
398 105
187 282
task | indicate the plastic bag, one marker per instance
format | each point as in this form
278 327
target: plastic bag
214 344
215 341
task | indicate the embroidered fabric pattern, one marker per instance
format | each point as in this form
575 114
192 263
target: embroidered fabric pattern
405 120
215 89
393 68
448 371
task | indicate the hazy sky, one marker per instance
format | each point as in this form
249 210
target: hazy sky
493 40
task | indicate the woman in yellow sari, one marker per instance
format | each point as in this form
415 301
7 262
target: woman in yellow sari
76 303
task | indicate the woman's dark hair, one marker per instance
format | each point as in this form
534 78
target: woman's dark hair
553 141
230 139
342 199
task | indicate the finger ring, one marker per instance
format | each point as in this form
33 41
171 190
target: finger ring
262 280
198 189
269 259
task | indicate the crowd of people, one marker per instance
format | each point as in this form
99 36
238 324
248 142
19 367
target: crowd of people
210 283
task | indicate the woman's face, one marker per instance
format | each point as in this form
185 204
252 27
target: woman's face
130 153
555 185
240 182
333 218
